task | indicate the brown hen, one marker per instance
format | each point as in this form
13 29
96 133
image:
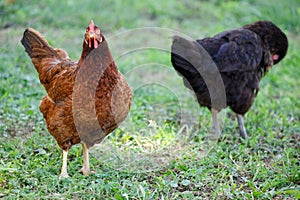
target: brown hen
87 99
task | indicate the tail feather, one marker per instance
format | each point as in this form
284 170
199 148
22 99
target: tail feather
47 61
182 53
190 57
36 45
200 72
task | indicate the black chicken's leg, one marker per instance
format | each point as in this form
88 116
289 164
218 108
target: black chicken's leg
215 123
243 132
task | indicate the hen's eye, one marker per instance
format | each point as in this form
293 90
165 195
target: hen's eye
97 31
273 49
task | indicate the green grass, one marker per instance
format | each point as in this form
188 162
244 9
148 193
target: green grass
151 156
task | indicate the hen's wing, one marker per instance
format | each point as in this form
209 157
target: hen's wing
241 50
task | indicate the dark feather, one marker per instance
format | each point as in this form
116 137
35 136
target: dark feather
241 57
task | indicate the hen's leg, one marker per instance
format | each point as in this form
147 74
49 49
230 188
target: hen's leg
64 171
215 122
86 163
243 132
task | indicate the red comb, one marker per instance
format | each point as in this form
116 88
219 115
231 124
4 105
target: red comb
91 26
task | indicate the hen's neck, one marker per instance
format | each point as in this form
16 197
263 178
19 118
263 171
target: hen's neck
85 52
105 56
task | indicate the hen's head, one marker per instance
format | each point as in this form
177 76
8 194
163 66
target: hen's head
274 40
93 36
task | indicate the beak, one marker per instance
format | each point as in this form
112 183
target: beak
92 41
269 67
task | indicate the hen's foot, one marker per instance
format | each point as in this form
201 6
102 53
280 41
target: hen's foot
214 132
86 172
63 175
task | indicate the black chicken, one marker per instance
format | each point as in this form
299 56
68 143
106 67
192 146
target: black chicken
238 57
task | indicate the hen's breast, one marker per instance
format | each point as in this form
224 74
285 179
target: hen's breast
112 100
104 109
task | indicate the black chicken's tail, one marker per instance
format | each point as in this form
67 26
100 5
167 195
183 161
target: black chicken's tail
190 60
188 57
197 67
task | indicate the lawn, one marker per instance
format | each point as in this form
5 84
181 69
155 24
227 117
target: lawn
161 150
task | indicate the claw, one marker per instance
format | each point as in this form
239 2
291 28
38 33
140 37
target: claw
85 171
63 175
86 164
